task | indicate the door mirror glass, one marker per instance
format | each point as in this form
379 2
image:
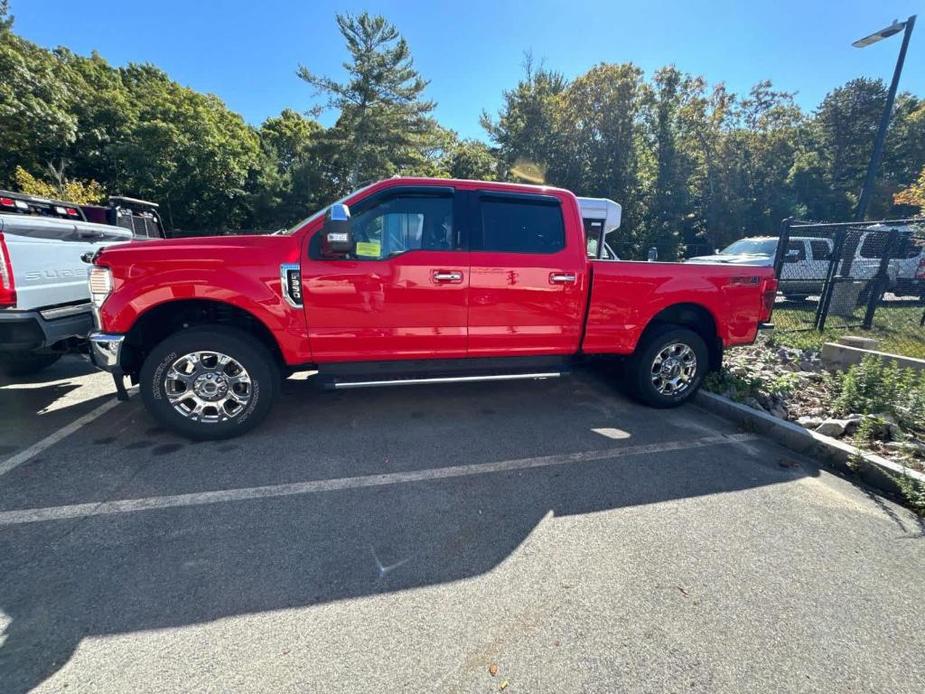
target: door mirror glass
336 236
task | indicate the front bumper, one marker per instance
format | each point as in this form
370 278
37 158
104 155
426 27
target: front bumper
106 351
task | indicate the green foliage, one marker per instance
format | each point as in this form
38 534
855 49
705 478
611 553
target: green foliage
472 159
525 129
384 124
738 388
693 164
913 491
876 386
82 192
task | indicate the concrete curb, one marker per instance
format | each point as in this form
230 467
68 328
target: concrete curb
873 469
838 356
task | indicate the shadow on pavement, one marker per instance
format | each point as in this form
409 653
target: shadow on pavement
66 580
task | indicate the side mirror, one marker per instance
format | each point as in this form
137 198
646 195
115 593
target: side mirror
792 257
336 236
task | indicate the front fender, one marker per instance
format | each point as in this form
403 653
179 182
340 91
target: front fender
254 290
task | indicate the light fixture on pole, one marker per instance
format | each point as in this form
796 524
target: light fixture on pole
877 154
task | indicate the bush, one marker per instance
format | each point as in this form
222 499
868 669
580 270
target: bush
876 386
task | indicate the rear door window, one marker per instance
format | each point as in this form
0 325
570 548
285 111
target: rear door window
520 224
821 250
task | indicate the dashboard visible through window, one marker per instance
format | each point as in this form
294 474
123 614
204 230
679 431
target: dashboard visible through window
404 223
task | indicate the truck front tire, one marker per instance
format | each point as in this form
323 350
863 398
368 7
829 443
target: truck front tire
668 366
209 382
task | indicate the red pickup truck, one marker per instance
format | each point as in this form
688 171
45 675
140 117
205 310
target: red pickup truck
406 280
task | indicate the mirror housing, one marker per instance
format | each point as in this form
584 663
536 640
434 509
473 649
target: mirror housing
336 236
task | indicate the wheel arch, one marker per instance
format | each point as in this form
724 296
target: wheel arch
695 317
167 318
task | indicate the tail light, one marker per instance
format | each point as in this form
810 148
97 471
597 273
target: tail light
7 202
768 297
100 284
7 288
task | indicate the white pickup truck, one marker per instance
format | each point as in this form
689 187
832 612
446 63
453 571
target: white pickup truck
44 300
807 261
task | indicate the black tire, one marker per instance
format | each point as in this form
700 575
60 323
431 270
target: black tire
641 365
25 363
249 353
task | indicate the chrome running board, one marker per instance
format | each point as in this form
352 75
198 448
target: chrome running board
444 379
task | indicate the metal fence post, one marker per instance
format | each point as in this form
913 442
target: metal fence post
822 309
782 243
879 283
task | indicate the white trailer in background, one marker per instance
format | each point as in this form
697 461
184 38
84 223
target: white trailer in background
600 216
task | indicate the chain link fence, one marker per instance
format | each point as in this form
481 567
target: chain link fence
842 277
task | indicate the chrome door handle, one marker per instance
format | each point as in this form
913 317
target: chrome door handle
447 276
562 277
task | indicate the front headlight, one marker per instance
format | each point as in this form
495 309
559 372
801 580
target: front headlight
100 284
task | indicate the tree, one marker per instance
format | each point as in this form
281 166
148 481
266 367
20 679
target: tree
186 150
290 181
81 192
472 159
6 20
598 121
525 129
669 162
914 195
36 120
384 125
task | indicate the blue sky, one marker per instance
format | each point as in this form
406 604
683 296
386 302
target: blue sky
247 52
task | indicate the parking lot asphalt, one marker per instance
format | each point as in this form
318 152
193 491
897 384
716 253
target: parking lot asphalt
538 536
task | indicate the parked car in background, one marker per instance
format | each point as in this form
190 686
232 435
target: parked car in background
408 280
907 259
805 263
807 260
45 307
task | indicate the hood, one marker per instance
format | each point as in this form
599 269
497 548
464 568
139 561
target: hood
752 259
201 252
205 246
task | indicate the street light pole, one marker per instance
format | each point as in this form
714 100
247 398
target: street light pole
877 154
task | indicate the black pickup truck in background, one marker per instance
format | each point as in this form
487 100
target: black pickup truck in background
141 217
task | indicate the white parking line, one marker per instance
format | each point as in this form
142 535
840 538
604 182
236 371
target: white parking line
105 508
26 455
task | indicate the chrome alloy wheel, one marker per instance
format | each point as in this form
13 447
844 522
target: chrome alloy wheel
208 386
673 369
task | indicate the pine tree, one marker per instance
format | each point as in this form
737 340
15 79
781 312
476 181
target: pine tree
384 124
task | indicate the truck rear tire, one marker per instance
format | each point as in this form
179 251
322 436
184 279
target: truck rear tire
209 382
25 363
668 366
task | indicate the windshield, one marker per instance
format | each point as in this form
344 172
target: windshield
316 215
751 247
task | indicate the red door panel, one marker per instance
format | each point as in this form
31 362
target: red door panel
412 306
515 308
530 301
